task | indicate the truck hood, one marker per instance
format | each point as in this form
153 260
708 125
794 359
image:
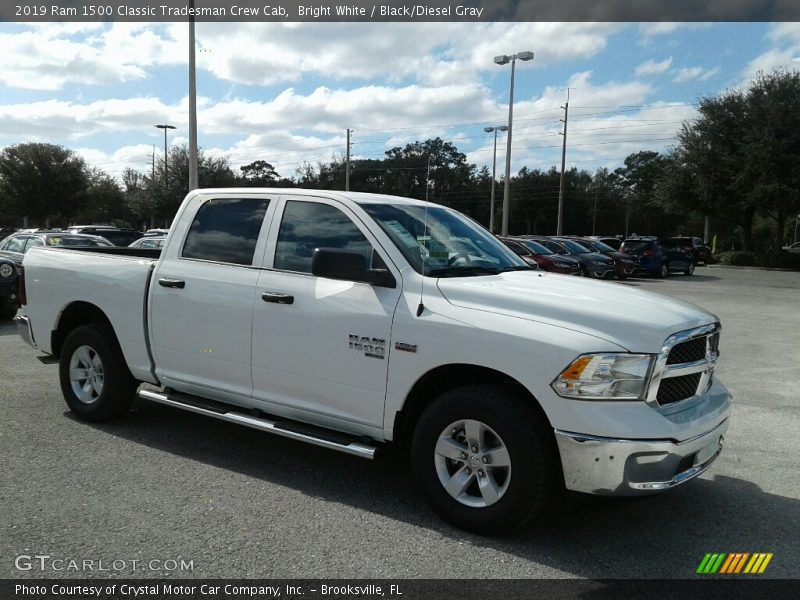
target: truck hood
638 321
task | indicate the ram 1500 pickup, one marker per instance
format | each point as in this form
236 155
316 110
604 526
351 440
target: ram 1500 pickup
354 321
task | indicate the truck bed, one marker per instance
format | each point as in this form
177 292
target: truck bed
114 280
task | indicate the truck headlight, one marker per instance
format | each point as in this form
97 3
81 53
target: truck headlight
6 270
618 376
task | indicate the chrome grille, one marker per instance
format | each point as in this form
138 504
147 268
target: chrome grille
685 365
688 351
675 389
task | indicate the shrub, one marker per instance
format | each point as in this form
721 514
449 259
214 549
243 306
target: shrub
736 258
781 260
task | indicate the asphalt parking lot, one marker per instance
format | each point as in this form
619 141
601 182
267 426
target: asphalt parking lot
165 484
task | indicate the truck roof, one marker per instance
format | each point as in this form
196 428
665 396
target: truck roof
357 197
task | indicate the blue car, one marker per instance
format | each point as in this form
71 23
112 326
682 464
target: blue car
8 289
659 257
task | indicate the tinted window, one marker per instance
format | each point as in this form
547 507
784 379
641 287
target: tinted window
574 247
537 248
226 230
307 226
553 246
517 248
74 241
635 246
119 238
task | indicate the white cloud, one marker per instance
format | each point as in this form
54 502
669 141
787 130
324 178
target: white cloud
651 67
784 53
695 74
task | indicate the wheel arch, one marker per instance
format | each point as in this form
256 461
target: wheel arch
73 316
445 378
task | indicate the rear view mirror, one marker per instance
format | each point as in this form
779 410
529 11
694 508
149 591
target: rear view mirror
334 263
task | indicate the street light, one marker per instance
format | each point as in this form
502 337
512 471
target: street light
494 169
503 60
165 127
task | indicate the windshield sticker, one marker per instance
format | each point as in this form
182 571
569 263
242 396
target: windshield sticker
438 254
402 233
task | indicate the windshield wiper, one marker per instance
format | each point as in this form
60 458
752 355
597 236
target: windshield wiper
520 268
463 271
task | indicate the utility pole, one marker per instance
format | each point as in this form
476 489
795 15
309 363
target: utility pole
707 229
347 164
193 179
153 172
560 224
594 212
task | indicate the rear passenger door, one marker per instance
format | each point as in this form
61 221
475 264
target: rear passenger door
201 311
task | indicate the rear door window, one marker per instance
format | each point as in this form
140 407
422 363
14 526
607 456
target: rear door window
226 230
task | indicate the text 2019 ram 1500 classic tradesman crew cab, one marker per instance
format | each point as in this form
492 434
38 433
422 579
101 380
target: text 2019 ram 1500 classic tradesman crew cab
354 320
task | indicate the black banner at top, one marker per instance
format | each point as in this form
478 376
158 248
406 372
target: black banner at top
398 10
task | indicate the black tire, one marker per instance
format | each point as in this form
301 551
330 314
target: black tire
689 269
118 387
7 314
533 472
663 270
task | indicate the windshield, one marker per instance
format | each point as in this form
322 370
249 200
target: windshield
574 247
65 240
444 243
600 246
536 247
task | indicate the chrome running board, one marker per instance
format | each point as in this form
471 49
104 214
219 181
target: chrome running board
296 431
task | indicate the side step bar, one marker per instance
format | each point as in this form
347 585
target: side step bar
309 434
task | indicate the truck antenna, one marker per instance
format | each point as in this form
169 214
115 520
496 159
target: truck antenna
421 306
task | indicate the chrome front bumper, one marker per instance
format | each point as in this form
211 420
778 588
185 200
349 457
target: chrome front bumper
608 466
25 331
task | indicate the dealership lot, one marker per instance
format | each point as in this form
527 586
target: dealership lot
166 485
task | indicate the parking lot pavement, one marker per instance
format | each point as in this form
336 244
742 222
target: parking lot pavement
165 484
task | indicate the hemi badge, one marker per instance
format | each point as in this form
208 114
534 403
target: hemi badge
405 347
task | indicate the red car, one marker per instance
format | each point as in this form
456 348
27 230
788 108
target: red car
534 253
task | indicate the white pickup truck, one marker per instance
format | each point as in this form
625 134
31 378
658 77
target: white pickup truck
354 321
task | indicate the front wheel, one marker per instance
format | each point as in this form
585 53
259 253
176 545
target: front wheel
484 458
95 379
664 271
689 269
7 314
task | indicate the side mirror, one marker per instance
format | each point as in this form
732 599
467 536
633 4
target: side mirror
333 263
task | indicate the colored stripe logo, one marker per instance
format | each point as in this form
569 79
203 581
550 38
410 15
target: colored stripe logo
734 563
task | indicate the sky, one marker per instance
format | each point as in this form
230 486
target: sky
287 92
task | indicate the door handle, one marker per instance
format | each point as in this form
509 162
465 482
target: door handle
277 298
172 283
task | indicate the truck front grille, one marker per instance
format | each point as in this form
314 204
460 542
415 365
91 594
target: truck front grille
679 388
686 352
685 366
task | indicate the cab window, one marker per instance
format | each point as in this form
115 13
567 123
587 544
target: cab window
307 226
226 230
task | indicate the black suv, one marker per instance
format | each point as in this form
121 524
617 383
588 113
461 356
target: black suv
115 235
692 245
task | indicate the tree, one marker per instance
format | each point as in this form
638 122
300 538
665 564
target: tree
42 181
259 173
103 200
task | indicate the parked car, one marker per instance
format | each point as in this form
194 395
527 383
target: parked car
149 242
320 316
658 259
115 235
592 264
7 231
625 265
156 232
694 246
614 242
794 248
15 246
534 253
9 302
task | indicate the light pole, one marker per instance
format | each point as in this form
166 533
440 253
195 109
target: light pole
193 172
494 170
503 60
165 127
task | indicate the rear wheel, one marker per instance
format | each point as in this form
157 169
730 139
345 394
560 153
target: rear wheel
484 458
664 270
95 379
7 314
689 269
